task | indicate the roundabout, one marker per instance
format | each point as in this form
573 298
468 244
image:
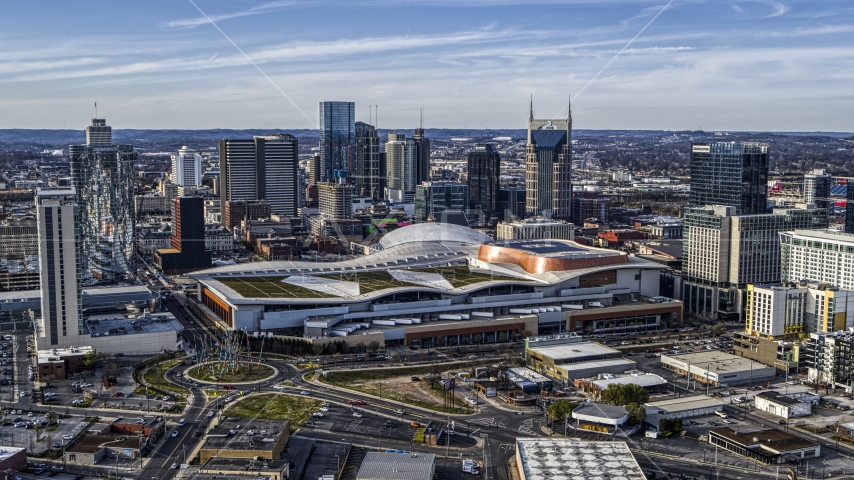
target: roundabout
237 373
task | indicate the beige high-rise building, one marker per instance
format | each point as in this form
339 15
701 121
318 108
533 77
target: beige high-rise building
724 252
548 175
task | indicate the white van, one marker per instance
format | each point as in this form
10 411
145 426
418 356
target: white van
721 414
595 304
181 423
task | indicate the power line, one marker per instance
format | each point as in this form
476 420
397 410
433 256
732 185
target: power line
209 19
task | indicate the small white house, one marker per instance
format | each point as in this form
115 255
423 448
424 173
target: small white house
786 406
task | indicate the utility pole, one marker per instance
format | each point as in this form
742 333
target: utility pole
448 439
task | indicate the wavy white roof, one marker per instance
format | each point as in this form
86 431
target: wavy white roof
433 232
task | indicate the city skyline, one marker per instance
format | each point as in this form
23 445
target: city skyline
639 64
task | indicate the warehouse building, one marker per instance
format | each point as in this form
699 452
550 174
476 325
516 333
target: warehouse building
568 356
528 380
397 466
767 446
568 372
787 406
595 386
681 407
719 369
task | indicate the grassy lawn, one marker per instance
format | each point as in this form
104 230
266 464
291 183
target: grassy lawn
270 287
346 377
460 276
369 281
811 429
353 380
154 377
276 406
246 373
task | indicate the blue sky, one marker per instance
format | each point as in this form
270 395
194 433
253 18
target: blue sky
783 65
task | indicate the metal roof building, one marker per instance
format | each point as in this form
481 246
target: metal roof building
431 273
573 459
397 466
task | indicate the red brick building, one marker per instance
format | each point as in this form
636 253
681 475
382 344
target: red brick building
616 238
12 459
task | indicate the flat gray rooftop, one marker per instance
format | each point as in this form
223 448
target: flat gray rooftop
601 410
396 466
118 324
251 467
573 350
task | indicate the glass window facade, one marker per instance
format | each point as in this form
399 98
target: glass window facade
337 137
730 173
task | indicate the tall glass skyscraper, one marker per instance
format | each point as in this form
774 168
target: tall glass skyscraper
369 173
337 138
102 175
730 173
484 171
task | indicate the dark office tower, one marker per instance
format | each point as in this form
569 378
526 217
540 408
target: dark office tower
102 176
589 206
188 251
237 174
238 210
261 168
484 168
368 175
511 203
337 138
300 187
548 175
422 159
730 173
849 208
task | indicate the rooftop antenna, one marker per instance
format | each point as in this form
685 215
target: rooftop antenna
421 126
96 109
370 114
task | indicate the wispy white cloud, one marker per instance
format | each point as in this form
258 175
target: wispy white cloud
257 10
761 10
779 10
804 32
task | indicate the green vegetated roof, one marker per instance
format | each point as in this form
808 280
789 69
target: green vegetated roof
270 287
460 276
369 281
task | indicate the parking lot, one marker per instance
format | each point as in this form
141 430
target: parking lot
702 425
26 437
